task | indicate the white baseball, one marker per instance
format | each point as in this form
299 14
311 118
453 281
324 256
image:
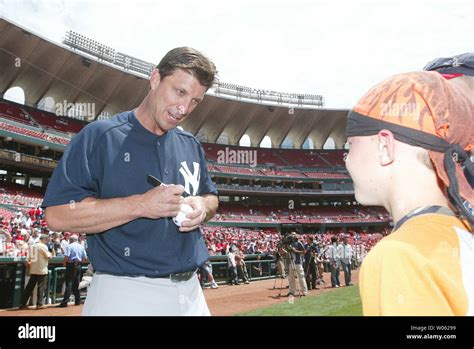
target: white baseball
181 217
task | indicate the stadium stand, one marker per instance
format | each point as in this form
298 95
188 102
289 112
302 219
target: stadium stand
39 118
265 241
14 194
236 213
33 134
281 157
6 214
59 130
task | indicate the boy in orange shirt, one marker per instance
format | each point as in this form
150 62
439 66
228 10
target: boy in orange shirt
409 139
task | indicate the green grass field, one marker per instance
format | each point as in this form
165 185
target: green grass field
344 301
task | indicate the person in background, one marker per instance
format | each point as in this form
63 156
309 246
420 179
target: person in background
332 254
295 271
74 256
257 267
459 71
232 266
241 265
37 261
310 267
207 276
346 260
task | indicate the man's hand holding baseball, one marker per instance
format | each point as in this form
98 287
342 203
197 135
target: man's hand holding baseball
162 201
197 216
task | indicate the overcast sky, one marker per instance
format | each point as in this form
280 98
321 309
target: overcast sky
335 48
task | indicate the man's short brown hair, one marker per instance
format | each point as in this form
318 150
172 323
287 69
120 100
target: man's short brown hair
190 60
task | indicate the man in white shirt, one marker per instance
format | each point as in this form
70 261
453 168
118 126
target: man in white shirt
346 258
65 242
17 219
332 253
35 237
232 264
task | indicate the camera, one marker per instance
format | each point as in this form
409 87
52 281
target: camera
289 240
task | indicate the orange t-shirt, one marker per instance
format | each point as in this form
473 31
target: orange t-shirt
426 267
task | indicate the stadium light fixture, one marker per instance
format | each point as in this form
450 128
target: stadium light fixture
128 63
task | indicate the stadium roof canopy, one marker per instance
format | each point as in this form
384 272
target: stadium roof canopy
43 69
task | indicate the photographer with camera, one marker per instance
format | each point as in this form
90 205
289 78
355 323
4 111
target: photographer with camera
320 258
310 267
296 251
279 257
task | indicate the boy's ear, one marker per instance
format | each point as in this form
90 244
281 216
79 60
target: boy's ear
386 147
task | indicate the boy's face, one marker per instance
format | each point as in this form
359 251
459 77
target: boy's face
362 162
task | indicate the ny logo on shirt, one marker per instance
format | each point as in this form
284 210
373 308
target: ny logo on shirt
190 178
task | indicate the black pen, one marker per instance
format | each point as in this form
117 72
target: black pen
154 181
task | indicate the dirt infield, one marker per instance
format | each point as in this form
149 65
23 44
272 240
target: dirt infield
224 301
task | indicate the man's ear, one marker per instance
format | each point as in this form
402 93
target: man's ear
155 79
386 147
